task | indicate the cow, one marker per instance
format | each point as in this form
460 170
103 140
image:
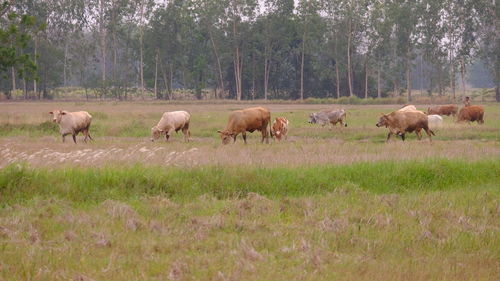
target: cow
247 120
471 113
329 117
72 123
280 128
400 123
435 121
448 109
408 107
170 122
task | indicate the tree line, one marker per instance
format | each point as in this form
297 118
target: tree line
246 49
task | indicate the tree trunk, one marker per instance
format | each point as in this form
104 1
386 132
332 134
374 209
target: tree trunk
408 75
141 47
65 65
266 72
34 80
366 80
337 78
102 36
170 83
25 89
379 94
302 66
462 74
440 80
349 74
156 75
13 72
237 64
219 68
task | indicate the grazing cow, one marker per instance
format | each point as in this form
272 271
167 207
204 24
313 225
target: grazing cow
448 109
280 128
408 107
328 116
247 120
399 123
435 121
471 113
170 122
72 123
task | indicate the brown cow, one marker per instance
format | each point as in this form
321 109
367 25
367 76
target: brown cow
471 113
247 120
401 122
448 109
280 128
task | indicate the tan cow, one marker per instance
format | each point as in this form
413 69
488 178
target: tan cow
72 123
247 120
471 113
280 128
402 122
448 109
170 122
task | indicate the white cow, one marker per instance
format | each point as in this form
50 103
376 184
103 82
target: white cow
72 123
408 107
170 122
435 121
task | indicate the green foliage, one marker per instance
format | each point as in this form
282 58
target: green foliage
19 183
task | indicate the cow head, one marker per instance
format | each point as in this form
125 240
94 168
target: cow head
57 115
225 136
383 120
312 118
156 133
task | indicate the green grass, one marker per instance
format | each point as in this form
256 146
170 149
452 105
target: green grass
19 183
431 220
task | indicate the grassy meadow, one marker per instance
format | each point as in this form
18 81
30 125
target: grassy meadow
326 204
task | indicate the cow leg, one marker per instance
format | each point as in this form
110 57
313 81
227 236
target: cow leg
63 137
403 136
74 137
85 133
234 138
388 136
264 135
186 134
244 136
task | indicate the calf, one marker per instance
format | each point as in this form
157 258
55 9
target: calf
72 123
280 128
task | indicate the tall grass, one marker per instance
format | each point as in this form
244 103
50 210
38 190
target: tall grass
18 183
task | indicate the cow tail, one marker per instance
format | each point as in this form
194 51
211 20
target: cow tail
270 127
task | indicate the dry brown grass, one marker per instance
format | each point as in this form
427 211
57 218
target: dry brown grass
298 151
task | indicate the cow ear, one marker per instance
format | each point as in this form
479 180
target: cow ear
63 112
219 131
51 112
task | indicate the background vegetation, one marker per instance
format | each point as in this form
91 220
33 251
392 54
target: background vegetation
249 49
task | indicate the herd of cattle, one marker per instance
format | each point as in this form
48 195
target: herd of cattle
404 120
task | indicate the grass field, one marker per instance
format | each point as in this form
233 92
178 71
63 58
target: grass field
327 204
